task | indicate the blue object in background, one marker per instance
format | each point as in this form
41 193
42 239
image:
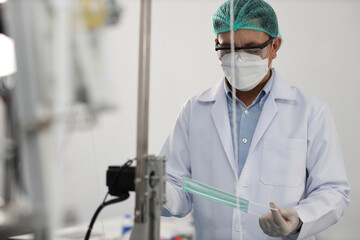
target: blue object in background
127 224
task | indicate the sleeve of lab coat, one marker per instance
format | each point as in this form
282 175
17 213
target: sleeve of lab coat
176 151
327 187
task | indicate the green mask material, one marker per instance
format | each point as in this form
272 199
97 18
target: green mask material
214 194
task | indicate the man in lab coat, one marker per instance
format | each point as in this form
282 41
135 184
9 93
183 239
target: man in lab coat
256 136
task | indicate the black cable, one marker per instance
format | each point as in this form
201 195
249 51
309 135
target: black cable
104 204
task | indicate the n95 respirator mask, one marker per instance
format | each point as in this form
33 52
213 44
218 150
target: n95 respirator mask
249 69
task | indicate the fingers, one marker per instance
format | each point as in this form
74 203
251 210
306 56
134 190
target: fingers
265 225
273 224
268 225
279 222
278 219
291 217
262 224
289 214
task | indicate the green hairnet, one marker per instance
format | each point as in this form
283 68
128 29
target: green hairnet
248 14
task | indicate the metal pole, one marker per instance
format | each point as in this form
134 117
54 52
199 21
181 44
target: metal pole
143 109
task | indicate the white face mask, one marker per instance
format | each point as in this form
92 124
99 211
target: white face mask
250 70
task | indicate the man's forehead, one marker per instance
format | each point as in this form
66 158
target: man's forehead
244 36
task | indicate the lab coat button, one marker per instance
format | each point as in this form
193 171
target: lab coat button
239 227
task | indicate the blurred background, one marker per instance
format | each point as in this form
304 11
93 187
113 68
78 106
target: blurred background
79 60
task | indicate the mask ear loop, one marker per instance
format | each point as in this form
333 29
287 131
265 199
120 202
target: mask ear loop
219 51
272 48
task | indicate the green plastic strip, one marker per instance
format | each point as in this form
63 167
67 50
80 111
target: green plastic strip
214 194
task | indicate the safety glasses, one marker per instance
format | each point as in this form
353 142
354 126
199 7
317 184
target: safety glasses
260 51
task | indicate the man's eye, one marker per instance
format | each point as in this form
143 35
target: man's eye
255 50
226 51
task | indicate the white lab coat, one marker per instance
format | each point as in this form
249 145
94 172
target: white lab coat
294 160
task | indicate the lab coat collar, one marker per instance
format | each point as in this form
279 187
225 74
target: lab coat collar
213 93
280 90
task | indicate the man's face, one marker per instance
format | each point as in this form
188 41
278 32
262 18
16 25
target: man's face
250 38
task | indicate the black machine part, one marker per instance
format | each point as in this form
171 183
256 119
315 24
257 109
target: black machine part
120 180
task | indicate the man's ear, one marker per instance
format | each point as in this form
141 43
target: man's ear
276 45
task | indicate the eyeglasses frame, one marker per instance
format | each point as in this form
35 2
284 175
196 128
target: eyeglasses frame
217 47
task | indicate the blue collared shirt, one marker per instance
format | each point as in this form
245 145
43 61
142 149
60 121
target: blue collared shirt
246 120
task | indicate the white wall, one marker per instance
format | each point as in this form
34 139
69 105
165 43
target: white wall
320 54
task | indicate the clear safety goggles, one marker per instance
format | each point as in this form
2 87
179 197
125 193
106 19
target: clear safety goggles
261 51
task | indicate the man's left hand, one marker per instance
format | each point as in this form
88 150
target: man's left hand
280 222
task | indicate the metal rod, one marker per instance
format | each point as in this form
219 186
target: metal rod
143 108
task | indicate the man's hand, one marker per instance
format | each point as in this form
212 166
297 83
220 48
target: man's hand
280 222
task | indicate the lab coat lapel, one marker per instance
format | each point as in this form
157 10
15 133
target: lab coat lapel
268 113
220 115
280 90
